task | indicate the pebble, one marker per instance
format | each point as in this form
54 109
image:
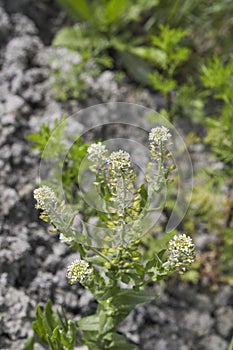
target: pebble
9 198
5 25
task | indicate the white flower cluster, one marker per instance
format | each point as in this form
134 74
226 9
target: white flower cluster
79 271
44 195
181 253
119 161
97 153
158 135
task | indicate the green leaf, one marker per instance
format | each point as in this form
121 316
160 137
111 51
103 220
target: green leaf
119 342
96 259
161 83
38 325
114 8
51 321
78 9
136 67
150 53
144 196
29 344
150 264
72 38
128 299
159 257
125 278
231 345
89 323
71 334
55 335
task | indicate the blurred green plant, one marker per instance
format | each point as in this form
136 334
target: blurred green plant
99 38
117 35
166 54
66 160
217 77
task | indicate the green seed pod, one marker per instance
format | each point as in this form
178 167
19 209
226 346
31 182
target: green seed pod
136 259
108 265
136 254
115 261
127 264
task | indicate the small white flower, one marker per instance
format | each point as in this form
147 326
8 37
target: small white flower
158 135
79 271
44 195
97 153
181 253
119 161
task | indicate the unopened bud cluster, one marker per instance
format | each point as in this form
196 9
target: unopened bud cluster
79 271
181 253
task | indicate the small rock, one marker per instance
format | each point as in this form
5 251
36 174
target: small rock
198 323
19 52
9 198
8 119
212 342
86 303
157 315
204 240
17 305
32 97
5 152
105 86
14 105
23 25
25 191
4 87
224 296
5 133
43 286
5 25
17 151
224 317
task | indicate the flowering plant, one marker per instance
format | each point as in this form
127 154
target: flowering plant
109 261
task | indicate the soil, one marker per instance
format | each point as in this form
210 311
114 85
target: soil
32 261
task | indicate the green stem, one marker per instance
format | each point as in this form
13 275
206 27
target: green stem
96 251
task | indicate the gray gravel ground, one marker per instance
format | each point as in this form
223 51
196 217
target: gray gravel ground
33 262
